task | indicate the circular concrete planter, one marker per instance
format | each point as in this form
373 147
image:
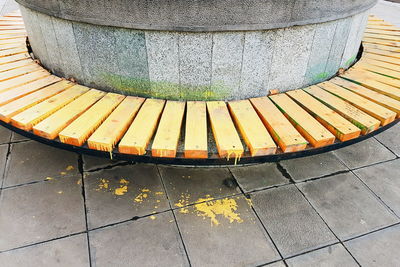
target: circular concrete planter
196 50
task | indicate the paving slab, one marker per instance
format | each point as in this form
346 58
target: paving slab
18 138
5 135
258 176
34 213
65 252
390 138
335 255
290 220
122 193
190 185
150 241
301 169
91 163
3 158
384 180
364 153
380 248
346 205
32 161
224 232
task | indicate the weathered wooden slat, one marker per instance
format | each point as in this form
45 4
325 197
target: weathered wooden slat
382 55
14 41
382 32
4 47
381 22
20 91
251 128
376 48
79 130
381 64
139 134
362 120
363 66
114 127
12 27
226 137
381 42
15 65
22 80
196 145
51 126
381 99
282 131
16 106
395 38
379 112
335 123
12 32
12 36
6 60
307 125
165 142
384 28
32 116
9 74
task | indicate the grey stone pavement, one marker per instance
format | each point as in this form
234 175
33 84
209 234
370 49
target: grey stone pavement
335 209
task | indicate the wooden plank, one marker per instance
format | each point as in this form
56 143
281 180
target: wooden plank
384 28
380 42
371 48
383 55
281 130
79 130
114 127
16 106
336 124
381 64
12 27
196 144
382 32
362 120
380 22
32 116
307 125
19 41
364 66
251 128
14 51
142 129
227 139
20 91
375 76
12 32
24 79
11 46
381 99
9 74
15 65
12 36
51 126
379 112
165 142
395 38
6 60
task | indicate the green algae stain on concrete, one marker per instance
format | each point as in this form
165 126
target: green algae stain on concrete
165 90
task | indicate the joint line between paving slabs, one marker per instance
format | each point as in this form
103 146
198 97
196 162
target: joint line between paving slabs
173 214
385 146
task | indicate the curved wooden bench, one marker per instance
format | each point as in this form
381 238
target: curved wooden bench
346 109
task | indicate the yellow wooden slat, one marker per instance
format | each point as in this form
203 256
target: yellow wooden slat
381 22
12 36
142 129
336 124
15 65
20 91
387 56
380 42
384 28
12 32
381 32
227 139
251 128
364 66
79 131
14 41
377 77
32 116
196 144
6 75
22 80
379 112
165 141
13 51
115 126
51 126
380 64
394 38
359 118
373 48
283 132
381 99
6 60
4 47
7 19
16 106
12 27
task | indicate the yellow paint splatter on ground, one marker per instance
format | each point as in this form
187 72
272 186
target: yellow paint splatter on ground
123 181
250 202
121 190
63 173
60 192
145 190
49 178
153 217
139 198
79 181
224 207
103 184
182 202
70 168
159 193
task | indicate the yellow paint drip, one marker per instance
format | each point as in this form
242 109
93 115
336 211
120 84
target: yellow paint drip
49 178
121 190
225 207
103 184
70 168
145 190
139 198
237 154
153 217
123 181
63 173
159 193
